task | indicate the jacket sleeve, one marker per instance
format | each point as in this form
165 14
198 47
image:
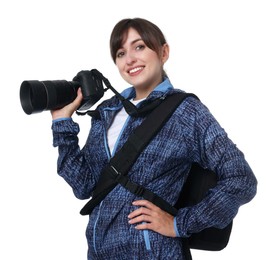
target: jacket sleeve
236 181
72 163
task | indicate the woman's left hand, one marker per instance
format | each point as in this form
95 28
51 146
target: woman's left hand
149 216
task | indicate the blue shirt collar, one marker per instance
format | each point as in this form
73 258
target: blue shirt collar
163 87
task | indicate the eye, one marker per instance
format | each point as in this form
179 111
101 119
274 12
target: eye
140 47
120 54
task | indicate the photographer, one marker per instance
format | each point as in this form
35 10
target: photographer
124 226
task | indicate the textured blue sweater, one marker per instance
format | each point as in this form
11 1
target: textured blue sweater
191 135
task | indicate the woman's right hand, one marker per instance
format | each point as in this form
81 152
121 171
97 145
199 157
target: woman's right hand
68 110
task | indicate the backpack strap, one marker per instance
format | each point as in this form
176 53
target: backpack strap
122 161
141 191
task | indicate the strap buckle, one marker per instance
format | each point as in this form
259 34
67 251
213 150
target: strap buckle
115 170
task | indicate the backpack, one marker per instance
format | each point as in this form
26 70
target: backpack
195 188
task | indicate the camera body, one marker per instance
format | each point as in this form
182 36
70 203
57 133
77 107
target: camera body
91 87
37 96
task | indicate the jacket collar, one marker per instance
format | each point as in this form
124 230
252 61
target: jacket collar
160 90
163 89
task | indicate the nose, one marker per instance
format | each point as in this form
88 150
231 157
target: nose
130 58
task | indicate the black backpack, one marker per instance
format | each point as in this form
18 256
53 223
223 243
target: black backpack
197 185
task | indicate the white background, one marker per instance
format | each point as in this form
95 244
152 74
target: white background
224 51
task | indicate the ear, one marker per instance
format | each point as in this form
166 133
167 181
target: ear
165 53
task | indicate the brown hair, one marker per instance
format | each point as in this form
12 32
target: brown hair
149 32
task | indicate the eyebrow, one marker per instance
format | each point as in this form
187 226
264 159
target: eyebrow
133 42
136 40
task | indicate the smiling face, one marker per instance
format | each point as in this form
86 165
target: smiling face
139 65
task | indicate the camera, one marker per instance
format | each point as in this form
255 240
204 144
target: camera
37 96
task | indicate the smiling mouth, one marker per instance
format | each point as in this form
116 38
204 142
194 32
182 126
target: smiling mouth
137 69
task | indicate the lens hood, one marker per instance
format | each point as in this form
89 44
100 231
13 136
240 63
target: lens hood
33 96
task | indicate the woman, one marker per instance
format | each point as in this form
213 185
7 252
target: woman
124 226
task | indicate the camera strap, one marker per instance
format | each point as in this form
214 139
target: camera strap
130 108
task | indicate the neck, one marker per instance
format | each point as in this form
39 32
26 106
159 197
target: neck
141 95
143 92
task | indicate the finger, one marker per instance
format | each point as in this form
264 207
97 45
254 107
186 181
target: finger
79 93
164 225
143 226
140 211
78 99
144 203
140 219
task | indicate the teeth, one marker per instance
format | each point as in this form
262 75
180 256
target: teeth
135 69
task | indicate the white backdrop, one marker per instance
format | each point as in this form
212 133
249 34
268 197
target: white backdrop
224 51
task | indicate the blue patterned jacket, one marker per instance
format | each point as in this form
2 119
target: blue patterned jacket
191 135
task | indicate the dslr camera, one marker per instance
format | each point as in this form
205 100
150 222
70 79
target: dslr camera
37 96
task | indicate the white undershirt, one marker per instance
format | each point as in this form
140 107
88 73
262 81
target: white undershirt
117 125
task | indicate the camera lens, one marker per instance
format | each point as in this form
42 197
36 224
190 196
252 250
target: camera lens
37 96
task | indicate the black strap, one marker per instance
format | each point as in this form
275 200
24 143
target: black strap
123 160
141 191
